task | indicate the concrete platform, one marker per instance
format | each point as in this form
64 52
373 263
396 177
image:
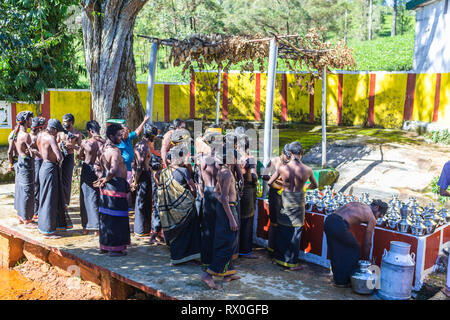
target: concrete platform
147 267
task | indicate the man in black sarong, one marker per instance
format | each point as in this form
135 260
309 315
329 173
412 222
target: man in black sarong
25 173
344 249
248 200
292 215
207 182
142 181
52 215
226 226
69 141
274 195
115 196
37 125
90 151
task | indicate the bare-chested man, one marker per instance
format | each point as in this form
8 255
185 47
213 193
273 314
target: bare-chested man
166 141
90 151
69 141
37 125
207 181
344 249
114 225
142 181
51 205
292 215
227 228
248 200
25 173
274 195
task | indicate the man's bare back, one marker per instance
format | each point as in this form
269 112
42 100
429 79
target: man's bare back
111 160
356 213
208 171
90 149
294 175
48 148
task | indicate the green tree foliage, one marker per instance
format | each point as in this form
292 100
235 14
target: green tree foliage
36 50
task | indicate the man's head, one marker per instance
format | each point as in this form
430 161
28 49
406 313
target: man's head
178 124
114 133
150 132
37 124
68 121
54 126
379 208
286 154
93 128
25 118
296 149
125 131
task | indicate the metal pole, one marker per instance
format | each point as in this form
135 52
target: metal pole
151 80
324 118
219 75
268 120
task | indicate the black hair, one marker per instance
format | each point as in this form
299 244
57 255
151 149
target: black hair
286 151
93 126
150 130
177 123
69 117
112 129
296 148
383 206
214 126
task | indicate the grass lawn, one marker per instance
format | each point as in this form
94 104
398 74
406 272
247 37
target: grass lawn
309 135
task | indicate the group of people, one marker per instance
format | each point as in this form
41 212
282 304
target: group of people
201 204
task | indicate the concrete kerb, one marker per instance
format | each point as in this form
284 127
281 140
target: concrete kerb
113 285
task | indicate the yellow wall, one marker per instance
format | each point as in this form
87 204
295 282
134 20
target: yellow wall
77 103
444 99
424 97
389 99
355 99
390 91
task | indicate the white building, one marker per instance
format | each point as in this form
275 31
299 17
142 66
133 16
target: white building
432 41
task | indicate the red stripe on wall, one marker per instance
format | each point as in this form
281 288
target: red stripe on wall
258 97
13 114
339 106
92 111
225 97
409 98
371 111
192 97
166 103
311 108
437 97
45 108
283 97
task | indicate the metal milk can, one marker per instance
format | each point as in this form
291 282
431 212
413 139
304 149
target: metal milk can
397 271
363 280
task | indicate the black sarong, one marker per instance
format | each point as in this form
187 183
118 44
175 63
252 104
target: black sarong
225 243
343 248
156 219
89 198
37 167
114 223
207 225
16 183
290 223
25 189
67 172
52 216
248 203
275 205
143 206
179 219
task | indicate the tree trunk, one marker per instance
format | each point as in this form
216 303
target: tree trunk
394 19
108 45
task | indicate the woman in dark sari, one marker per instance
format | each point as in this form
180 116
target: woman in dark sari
176 205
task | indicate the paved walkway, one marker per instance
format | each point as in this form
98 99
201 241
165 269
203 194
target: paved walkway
149 266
